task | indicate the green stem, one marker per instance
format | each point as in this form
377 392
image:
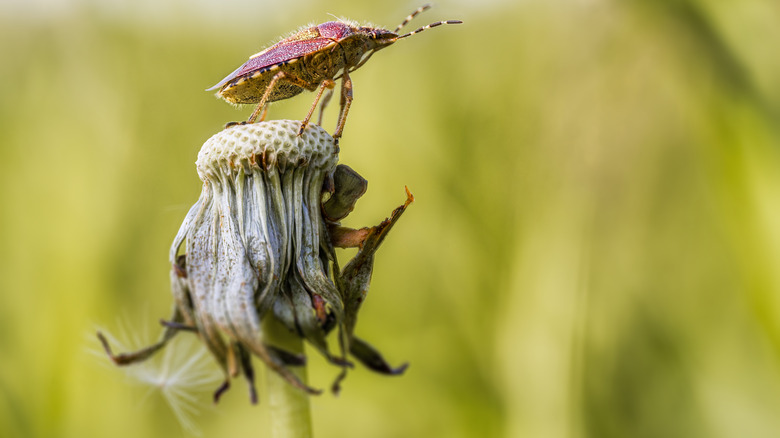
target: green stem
290 407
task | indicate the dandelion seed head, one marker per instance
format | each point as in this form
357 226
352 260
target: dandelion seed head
236 146
257 244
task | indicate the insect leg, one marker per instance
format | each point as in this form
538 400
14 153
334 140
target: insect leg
324 103
264 113
346 102
263 101
327 83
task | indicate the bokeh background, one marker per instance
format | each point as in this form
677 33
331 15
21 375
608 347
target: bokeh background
594 249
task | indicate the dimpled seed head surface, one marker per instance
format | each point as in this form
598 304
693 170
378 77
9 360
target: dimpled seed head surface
275 140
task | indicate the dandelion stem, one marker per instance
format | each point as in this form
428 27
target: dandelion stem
289 407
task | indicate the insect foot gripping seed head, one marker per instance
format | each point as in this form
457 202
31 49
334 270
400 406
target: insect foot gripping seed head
259 243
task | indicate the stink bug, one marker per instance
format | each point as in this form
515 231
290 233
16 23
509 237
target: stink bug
311 59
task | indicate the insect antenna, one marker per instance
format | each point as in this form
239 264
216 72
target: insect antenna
438 23
411 16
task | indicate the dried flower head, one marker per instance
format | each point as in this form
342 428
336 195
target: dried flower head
259 243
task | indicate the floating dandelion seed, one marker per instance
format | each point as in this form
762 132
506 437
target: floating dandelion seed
181 374
259 243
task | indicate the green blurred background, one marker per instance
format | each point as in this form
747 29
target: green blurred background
593 250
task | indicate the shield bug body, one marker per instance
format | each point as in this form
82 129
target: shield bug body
311 59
